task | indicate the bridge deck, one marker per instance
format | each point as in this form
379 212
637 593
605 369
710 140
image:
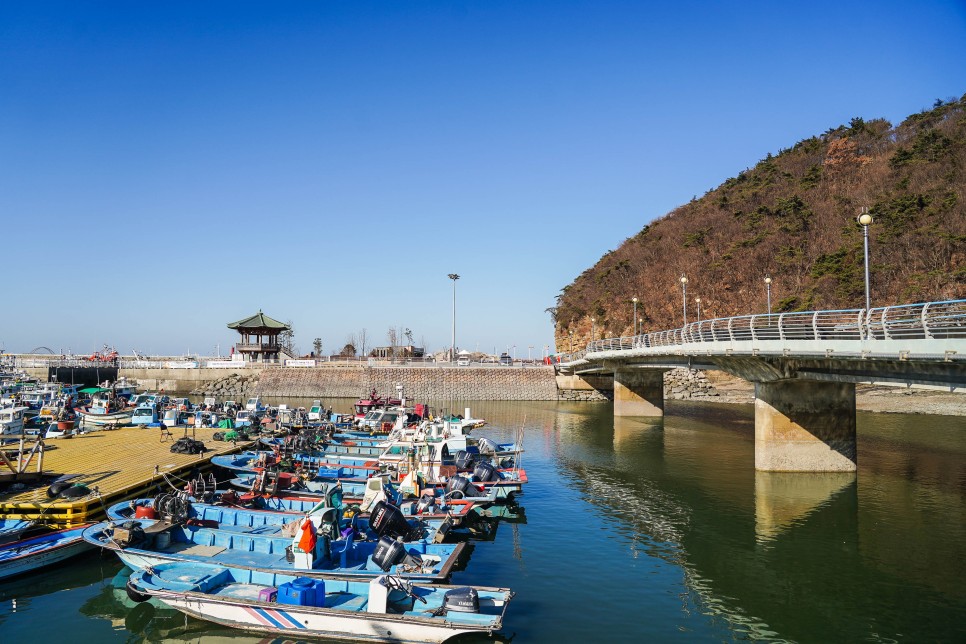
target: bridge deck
119 463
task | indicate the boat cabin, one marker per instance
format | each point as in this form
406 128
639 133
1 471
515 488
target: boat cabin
12 421
145 415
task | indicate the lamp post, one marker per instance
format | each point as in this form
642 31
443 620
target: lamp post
697 301
452 349
529 351
634 300
571 341
593 328
684 297
865 219
768 292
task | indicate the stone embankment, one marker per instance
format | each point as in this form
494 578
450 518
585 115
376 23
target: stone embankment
679 384
233 387
468 383
539 383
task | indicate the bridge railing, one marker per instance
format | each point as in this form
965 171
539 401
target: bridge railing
924 321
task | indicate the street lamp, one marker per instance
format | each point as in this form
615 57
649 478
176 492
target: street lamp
684 297
768 292
865 219
452 349
529 351
634 300
697 301
593 328
571 341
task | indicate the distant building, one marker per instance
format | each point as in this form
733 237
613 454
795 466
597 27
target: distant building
408 351
259 338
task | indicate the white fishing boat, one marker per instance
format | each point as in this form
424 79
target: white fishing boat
385 609
104 409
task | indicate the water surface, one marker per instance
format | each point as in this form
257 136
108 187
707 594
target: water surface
635 530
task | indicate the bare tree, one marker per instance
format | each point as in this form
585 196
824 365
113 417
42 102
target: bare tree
286 340
363 338
317 346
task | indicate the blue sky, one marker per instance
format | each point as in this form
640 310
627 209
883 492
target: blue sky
167 168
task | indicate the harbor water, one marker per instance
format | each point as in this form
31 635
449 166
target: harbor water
635 530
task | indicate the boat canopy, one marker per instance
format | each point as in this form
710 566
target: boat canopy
95 390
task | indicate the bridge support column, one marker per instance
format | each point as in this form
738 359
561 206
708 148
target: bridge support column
805 426
639 392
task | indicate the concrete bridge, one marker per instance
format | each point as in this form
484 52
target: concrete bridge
804 366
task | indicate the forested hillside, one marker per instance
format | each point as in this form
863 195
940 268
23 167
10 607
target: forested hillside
793 217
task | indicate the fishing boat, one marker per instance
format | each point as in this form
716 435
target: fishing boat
27 555
12 423
384 609
281 484
145 542
13 529
104 408
269 522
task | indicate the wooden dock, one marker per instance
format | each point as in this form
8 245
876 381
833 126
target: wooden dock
116 465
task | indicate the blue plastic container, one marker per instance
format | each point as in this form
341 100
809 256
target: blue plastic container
302 591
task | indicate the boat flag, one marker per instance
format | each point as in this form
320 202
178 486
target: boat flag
307 537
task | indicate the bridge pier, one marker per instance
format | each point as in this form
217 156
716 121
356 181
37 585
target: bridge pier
639 392
805 426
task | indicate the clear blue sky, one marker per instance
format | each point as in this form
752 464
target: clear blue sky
166 168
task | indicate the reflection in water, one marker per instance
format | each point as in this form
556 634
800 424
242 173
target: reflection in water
785 499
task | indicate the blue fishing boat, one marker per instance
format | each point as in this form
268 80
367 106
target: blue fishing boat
146 542
274 522
13 529
385 609
27 555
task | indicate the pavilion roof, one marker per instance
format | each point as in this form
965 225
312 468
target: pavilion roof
259 321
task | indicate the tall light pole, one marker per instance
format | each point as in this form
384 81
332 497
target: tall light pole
452 349
529 351
593 328
634 300
571 341
768 292
684 297
697 301
865 219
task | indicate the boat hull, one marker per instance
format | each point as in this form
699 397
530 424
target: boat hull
28 555
116 418
301 622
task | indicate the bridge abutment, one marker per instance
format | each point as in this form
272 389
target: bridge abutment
639 392
805 426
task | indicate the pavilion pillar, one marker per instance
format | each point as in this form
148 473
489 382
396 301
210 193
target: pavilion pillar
805 426
639 392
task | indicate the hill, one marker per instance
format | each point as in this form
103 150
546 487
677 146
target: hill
793 217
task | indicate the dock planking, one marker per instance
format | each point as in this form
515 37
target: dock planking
121 464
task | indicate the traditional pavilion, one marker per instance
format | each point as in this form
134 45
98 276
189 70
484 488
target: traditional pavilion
259 338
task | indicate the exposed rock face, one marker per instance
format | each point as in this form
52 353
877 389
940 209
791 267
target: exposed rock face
235 386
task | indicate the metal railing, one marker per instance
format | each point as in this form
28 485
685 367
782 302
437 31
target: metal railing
926 321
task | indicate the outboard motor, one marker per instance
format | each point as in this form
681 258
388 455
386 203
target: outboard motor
485 472
462 600
464 460
389 553
388 521
487 446
427 504
459 487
